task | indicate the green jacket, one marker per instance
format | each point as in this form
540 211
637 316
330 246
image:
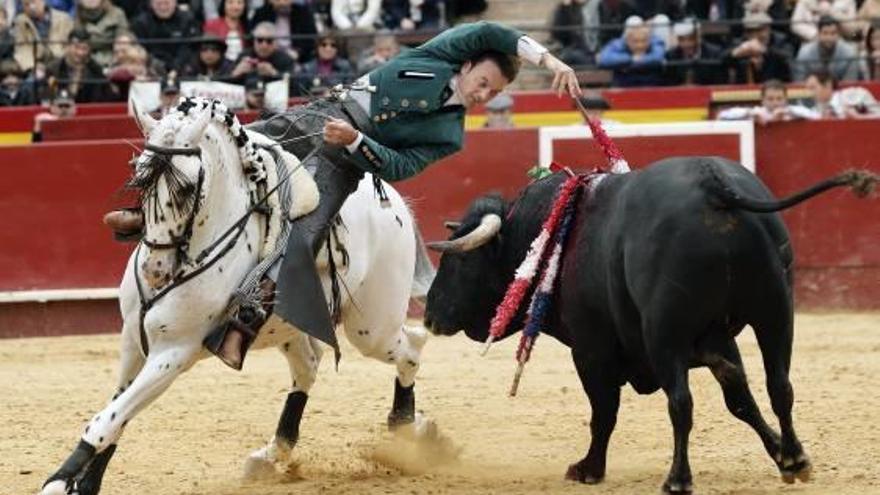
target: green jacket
412 127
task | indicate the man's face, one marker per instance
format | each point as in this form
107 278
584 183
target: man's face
35 9
828 36
327 49
480 83
78 52
264 43
774 99
163 9
821 92
688 45
637 40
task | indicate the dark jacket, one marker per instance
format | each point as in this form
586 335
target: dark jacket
394 11
775 66
181 27
93 86
647 71
613 13
706 68
302 22
308 76
280 60
196 70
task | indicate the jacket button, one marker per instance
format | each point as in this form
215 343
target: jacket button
404 103
386 101
423 104
376 118
384 116
393 114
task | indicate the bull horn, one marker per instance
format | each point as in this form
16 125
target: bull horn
451 225
144 121
489 226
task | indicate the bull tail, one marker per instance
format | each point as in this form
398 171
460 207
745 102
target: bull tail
862 183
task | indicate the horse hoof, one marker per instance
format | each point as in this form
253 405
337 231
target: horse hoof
801 470
678 487
57 487
258 467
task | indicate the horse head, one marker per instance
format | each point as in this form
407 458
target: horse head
175 175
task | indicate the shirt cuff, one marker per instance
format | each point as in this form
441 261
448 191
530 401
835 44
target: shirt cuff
354 145
529 49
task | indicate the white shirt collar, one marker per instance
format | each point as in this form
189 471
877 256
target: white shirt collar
455 99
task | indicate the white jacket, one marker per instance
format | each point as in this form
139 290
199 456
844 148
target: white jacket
359 14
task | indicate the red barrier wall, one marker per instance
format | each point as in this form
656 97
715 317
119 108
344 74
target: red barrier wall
53 195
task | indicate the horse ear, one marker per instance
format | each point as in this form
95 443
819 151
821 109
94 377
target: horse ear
144 121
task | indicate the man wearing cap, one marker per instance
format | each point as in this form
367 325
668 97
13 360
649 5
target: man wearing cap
77 71
693 60
499 111
169 93
393 122
255 94
754 60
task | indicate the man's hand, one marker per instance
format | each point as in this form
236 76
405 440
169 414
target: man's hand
339 132
564 78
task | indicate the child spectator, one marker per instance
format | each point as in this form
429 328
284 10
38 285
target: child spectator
13 91
822 85
774 107
636 58
42 31
828 52
103 21
293 24
77 72
230 26
167 32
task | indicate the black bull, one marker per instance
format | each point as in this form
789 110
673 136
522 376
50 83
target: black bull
663 269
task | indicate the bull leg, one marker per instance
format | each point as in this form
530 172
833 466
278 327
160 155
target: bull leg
728 369
303 354
81 473
603 390
775 341
674 380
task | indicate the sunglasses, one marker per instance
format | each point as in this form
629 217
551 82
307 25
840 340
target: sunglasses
267 41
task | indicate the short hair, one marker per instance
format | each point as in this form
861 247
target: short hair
824 76
827 20
508 65
264 26
773 84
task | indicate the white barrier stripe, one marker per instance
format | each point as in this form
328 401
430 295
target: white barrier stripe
43 296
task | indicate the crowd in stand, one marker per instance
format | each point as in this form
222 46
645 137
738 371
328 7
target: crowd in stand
673 42
94 49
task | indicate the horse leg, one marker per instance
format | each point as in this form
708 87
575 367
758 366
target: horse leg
81 473
303 355
406 352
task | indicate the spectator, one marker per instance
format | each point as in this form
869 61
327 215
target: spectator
265 60
636 58
807 13
169 93
569 29
7 41
855 102
230 26
166 32
61 106
595 106
210 62
822 85
871 61
693 61
130 63
66 6
103 21
385 47
355 14
774 107
752 60
255 94
77 72
13 91
289 19
412 14
41 31
499 112
869 12
329 68
828 51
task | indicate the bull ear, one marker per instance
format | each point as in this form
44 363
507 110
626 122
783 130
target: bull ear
489 227
452 225
144 121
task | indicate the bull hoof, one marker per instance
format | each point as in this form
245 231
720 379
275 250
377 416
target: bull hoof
678 487
800 469
582 474
57 487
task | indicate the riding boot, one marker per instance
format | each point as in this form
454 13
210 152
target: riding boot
127 224
231 341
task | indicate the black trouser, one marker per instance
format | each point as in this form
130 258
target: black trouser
300 298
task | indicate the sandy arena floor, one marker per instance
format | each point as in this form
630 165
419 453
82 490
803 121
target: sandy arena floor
193 439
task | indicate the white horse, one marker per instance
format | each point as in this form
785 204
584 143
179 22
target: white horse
203 173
